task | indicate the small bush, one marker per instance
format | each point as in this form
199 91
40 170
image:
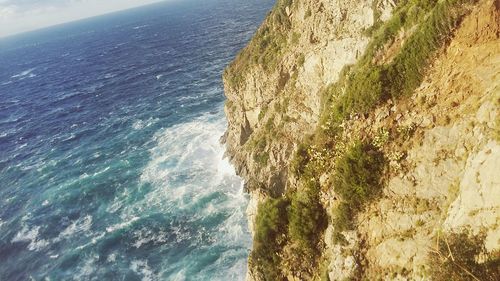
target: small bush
260 155
366 84
405 73
262 112
301 60
300 159
308 13
266 46
308 219
261 158
270 229
462 257
356 181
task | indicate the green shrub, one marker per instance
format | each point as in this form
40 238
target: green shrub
406 71
266 46
262 112
366 84
269 126
457 258
270 229
261 158
308 219
300 159
260 155
301 59
364 89
357 181
308 13
295 38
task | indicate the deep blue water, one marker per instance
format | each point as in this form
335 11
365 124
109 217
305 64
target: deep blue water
110 162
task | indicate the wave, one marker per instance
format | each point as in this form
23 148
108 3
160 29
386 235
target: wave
140 26
141 267
195 185
25 73
140 124
81 225
31 235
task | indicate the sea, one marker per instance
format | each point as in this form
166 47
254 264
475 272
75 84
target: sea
111 166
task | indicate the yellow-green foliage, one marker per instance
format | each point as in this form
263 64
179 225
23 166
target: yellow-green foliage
308 220
270 228
300 219
260 155
357 181
267 44
367 83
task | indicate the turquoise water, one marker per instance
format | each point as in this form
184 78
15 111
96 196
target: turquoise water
110 161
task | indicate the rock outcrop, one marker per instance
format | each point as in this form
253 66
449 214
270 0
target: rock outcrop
441 143
281 104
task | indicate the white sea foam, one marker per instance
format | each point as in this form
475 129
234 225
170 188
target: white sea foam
86 269
80 226
141 267
25 73
145 236
31 235
121 225
187 167
140 124
111 257
140 26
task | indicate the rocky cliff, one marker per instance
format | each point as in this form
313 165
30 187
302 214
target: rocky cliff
368 135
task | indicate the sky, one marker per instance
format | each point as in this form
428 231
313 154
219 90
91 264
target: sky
18 16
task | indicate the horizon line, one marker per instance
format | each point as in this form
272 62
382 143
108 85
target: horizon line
76 20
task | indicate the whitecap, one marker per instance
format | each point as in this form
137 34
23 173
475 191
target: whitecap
24 73
70 137
140 26
141 267
141 124
145 236
109 75
121 225
31 235
86 269
111 257
80 226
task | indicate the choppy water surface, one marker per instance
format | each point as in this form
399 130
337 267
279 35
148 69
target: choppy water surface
110 162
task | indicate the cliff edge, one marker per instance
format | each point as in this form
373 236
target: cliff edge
368 134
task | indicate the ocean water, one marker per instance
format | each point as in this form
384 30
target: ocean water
110 161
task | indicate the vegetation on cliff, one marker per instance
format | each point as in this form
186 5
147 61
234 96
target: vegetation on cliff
270 228
357 180
370 81
289 229
267 44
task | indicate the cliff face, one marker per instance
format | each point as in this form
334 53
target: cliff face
273 88
383 115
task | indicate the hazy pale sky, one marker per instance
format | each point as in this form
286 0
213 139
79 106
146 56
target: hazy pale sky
23 15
